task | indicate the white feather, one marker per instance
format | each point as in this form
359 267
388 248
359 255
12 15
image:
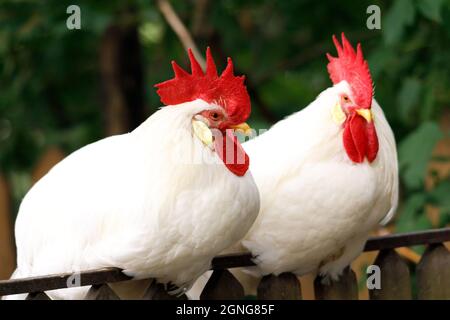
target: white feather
138 202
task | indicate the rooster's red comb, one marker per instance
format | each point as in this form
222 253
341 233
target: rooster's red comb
225 90
351 66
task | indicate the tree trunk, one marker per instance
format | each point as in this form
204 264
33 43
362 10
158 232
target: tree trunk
121 75
7 249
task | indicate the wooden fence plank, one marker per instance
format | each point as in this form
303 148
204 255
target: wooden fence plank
395 279
110 275
101 292
157 291
286 286
37 296
222 285
433 274
344 289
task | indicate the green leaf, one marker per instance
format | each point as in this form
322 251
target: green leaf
412 209
431 9
415 152
440 197
398 17
20 183
408 97
379 60
426 110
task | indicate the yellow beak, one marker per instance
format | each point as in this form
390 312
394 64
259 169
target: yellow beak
244 128
365 113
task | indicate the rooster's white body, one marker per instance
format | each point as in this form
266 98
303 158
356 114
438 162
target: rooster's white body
136 201
317 206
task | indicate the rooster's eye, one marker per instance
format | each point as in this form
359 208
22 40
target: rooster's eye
346 98
215 115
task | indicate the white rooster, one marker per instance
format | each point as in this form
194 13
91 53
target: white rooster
159 202
327 176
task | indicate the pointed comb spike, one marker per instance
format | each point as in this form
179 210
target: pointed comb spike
179 72
330 57
228 72
348 49
211 69
359 54
337 45
196 70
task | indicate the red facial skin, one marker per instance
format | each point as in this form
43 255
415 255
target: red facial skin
216 119
227 145
359 136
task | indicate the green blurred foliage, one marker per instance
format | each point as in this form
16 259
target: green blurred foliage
49 90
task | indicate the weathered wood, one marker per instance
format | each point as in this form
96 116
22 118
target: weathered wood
51 282
286 286
222 285
433 274
157 291
344 289
101 292
394 277
121 74
37 296
408 239
109 275
232 260
390 241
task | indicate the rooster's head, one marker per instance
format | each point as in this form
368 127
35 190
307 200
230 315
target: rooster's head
228 107
352 109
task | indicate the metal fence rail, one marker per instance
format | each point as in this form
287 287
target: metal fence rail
436 260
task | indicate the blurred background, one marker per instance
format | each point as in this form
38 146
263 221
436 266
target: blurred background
61 89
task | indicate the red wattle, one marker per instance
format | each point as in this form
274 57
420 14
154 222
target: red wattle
355 139
372 142
232 154
360 139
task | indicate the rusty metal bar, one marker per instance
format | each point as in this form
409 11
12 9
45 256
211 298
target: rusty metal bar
109 275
